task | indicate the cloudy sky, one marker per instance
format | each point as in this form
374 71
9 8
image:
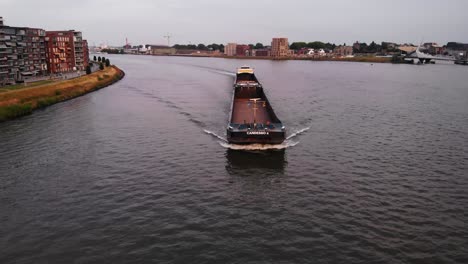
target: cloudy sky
245 21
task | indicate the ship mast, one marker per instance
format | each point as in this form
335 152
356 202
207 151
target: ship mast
255 100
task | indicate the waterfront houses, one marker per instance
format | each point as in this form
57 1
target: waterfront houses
85 53
22 53
262 53
60 51
242 50
457 49
230 49
343 51
279 47
26 52
79 51
433 48
66 51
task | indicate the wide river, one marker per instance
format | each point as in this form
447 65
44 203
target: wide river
374 170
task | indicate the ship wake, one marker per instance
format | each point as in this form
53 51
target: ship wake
286 144
215 135
212 69
297 133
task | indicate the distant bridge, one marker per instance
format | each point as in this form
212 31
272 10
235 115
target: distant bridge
426 58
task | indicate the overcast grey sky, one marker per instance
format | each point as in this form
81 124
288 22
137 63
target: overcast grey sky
245 21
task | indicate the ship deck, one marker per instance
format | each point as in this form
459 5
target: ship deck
243 112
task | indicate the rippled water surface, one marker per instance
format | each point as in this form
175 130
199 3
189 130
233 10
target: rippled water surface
139 171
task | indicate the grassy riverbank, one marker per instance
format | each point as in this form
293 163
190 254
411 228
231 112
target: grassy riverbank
20 101
23 86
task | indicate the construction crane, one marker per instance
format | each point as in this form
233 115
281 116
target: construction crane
168 37
127 45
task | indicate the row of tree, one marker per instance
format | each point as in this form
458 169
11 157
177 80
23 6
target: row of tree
200 46
361 48
113 51
364 48
312 45
103 61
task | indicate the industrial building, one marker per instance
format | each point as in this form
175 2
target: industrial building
160 50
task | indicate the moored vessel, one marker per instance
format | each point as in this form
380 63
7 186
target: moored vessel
252 119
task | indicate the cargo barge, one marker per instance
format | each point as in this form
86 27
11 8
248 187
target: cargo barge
252 119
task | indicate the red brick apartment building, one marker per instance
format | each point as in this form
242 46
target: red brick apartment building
242 50
66 51
60 51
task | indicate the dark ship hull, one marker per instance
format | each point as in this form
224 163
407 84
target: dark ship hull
252 119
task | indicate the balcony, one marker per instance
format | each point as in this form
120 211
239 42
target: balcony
10 44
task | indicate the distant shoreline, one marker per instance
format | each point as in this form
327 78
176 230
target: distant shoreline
368 59
371 59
